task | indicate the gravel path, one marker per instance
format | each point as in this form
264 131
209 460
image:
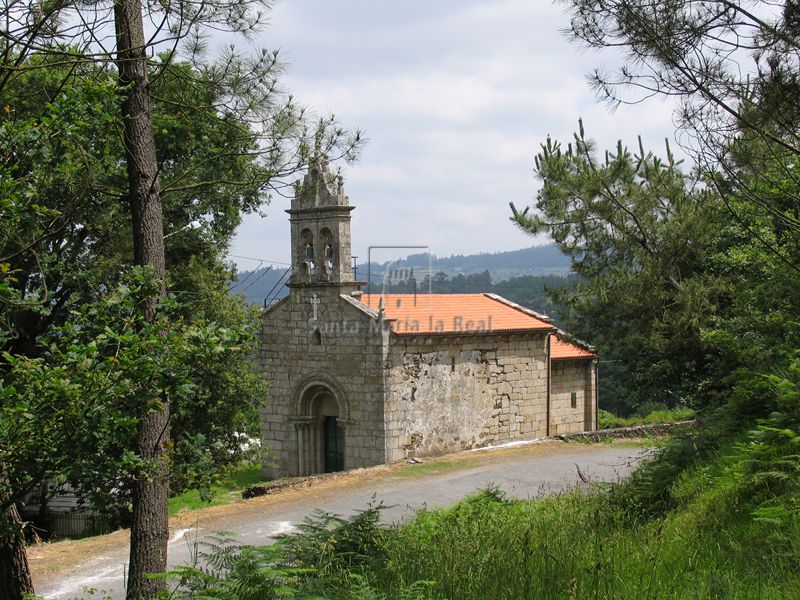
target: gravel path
64 570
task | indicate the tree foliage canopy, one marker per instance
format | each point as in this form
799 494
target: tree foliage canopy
110 145
227 138
687 275
734 68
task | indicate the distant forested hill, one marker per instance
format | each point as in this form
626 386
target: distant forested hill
260 284
527 290
519 275
536 260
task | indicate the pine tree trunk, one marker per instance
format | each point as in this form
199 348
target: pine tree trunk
15 575
149 530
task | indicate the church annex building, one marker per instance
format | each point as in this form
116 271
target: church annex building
361 379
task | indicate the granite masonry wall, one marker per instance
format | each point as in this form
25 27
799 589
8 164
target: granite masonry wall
341 354
400 396
570 377
453 393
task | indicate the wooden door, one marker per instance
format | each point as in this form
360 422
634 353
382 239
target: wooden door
333 437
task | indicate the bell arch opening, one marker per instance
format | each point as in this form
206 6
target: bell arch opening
306 253
327 244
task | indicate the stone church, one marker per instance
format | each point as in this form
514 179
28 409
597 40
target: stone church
359 379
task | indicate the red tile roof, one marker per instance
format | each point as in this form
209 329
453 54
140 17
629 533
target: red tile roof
455 313
560 348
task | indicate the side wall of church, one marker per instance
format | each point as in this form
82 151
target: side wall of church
451 393
570 377
347 356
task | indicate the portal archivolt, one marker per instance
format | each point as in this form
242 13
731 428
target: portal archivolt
320 427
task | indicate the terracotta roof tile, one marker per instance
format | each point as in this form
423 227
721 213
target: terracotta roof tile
560 348
455 313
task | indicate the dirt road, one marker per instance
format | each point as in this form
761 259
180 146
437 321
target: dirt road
64 570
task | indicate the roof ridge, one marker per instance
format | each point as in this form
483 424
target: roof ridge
567 337
365 308
268 309
426 294
519 307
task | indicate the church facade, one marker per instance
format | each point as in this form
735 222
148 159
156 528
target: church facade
360 379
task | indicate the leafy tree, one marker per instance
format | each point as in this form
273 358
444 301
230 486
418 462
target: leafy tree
89 244
82 196
691 281
638 230
210 170
733 66
70 415
208 427
70 35
92 372
25 219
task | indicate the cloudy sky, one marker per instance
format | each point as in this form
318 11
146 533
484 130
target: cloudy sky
455 97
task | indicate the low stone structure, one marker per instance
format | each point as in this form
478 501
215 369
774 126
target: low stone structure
633 432
358 379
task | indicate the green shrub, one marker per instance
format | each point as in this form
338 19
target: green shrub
227 488
608 420
672 415
648 492
332 545
584 545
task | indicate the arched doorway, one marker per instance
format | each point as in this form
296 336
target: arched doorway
320 432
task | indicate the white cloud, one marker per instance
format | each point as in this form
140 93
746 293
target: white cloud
455 96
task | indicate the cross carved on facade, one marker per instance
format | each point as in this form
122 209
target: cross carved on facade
314 304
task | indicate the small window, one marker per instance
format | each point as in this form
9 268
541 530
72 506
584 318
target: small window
317 337
574 399
453 365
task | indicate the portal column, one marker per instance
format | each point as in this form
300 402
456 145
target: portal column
301 448
305 445
314 446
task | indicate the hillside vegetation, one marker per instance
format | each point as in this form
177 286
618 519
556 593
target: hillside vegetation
529 267
714 515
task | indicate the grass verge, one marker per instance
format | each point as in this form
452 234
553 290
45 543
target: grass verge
577 546
228 489
608 420
584 544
